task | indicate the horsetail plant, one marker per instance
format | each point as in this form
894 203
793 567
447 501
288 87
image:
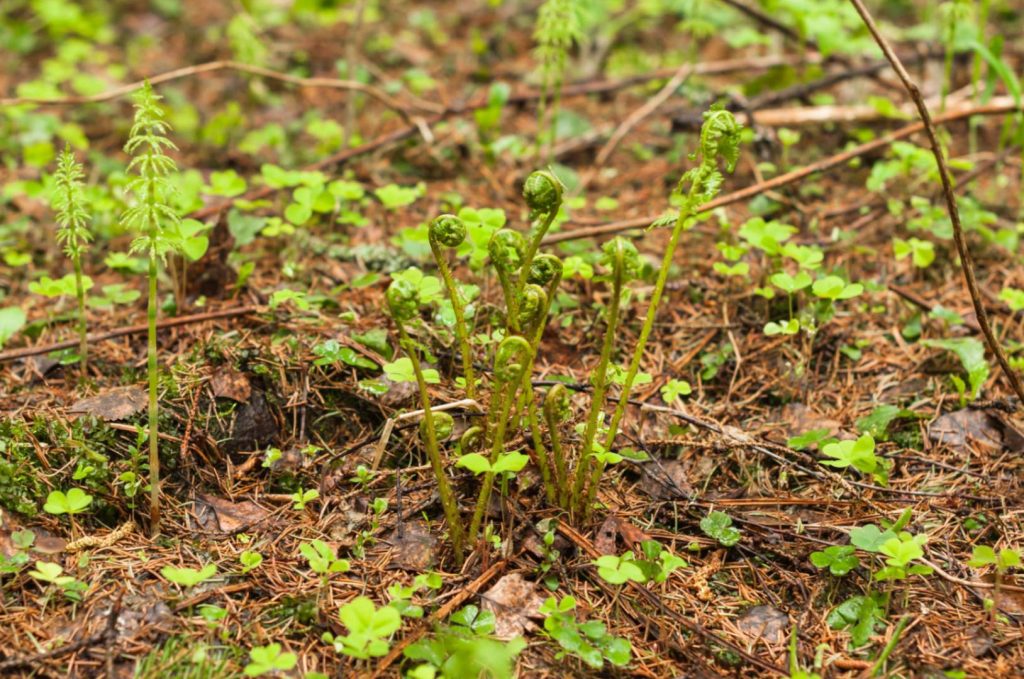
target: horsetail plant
73 234
403 305
558 27
157 225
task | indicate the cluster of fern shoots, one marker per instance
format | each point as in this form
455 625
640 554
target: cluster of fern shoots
571 469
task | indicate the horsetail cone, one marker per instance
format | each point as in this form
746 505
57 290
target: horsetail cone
448 230
543 191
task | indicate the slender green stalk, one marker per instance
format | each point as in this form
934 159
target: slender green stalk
156 222
623 259
506 249
719 137
451 509
72 217
890 646
510 362
556 409
449 231
154 414
403 303
545 270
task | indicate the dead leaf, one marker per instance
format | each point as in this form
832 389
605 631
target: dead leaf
607 536
414 547
764 622
218 514
976 429
614 526
513 600
801 419
667 479
230 383
112 405
48 544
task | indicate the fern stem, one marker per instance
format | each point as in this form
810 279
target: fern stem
448 503
600 382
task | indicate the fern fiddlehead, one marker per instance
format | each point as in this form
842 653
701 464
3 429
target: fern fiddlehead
448 231
719 142
403 305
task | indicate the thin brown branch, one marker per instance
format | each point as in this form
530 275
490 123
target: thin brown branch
966 262
25 352
995 107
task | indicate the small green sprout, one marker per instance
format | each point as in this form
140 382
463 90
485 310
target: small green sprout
188 577
269 658
73 234
718 525
75 501
301 498
369 629
860 455
250 560
157 224
839 559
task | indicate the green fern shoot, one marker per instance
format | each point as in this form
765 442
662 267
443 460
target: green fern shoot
73 234
152 217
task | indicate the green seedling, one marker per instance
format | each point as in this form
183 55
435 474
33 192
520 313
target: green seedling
53 574
718 525
269 658
250 561
75 501
839 559
188 577
73 234
860 455
464 648
301 498
401 595
589 641
971 352
157 224
323 560
369 629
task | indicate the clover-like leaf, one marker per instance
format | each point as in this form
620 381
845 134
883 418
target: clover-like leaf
75 501
718 525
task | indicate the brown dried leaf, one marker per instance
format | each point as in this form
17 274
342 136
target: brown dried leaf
976 429
513 601
764 622
230 383
415 547
112 405
667 479
607 536
222 515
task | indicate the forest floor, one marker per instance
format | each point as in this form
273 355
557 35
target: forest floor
241 375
